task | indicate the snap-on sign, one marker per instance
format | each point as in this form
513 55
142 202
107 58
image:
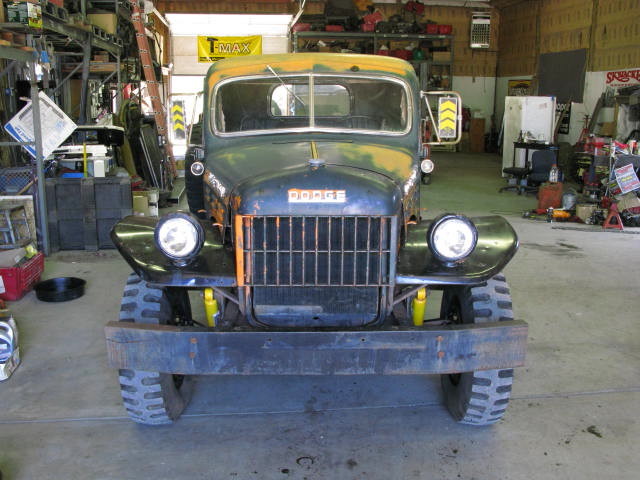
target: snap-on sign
296 195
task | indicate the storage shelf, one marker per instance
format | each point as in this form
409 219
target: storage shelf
14 53
371 35
424 68
52 26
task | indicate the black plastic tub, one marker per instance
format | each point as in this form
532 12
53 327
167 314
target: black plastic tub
60 289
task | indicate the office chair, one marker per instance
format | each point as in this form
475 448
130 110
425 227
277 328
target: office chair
519 173
541 163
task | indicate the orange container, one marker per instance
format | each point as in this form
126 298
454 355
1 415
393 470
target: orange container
550 195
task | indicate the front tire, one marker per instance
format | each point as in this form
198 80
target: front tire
152 398
479 397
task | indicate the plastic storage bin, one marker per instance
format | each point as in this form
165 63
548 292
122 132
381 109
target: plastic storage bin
18 280
81 212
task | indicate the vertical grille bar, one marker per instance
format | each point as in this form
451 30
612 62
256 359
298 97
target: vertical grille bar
342 254
355 250
368 249
290 250
329 221
265 222
380 243
278 251
316 265
304 246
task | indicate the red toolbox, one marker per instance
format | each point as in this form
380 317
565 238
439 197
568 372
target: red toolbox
18 280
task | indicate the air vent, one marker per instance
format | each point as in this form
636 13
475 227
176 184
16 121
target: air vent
480 29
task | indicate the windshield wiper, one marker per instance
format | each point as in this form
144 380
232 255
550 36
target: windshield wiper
286 86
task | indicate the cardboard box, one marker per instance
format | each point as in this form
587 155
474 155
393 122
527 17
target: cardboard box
627 201
27 13
101 57
476 135
584 210
441 56
145 202
106 21
608 129
100 67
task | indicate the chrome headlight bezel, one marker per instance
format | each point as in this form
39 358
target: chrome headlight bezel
427 166
190 222
439 223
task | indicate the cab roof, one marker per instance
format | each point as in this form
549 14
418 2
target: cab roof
307 63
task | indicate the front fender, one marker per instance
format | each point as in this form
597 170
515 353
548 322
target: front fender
497 244
213 267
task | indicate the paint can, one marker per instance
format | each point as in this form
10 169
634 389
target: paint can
9 349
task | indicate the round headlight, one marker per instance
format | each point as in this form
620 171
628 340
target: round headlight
427 166
179 236
452 238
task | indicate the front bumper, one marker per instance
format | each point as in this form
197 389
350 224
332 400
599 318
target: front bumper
406 351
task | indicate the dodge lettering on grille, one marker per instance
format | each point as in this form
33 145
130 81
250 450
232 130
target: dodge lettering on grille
297 195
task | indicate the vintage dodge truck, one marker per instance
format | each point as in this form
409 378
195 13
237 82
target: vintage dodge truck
306 244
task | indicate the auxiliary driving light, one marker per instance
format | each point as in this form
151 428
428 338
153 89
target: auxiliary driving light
179 236
197 168
452 238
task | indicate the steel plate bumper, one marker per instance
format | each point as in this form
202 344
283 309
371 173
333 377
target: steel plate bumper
407 351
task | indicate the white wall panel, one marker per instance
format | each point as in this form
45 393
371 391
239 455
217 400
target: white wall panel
477 93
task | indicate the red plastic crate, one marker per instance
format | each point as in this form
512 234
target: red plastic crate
19 280
431 29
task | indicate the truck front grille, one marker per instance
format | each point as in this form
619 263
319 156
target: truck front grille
350 251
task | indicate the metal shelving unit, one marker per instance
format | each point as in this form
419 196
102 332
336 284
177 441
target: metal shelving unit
424 68
30 59
67 40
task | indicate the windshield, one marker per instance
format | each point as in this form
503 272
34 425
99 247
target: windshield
321 102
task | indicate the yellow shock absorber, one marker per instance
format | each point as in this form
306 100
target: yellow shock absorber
210 307
418 306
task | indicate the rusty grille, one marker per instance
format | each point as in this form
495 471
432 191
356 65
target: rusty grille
352 251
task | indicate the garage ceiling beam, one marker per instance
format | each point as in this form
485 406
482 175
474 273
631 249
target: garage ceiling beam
500 4
225 6
288 6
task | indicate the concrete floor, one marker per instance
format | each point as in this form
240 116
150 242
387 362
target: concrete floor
573 414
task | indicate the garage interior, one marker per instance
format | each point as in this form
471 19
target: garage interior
559 77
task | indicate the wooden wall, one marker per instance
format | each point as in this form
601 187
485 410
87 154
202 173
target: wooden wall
616 35
467 62
609 29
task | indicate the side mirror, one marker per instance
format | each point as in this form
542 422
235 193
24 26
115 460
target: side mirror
446 126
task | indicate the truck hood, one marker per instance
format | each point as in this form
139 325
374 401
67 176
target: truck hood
234 165
259 177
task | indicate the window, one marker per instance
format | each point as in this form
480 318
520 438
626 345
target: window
320 102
